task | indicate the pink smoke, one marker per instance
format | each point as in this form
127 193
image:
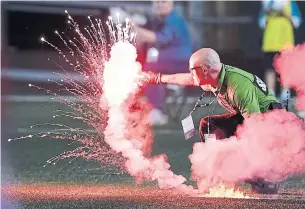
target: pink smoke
290 65
120 85
269 146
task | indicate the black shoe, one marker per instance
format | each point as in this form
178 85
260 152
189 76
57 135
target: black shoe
263 187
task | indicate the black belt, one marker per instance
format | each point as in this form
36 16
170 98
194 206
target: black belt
276 105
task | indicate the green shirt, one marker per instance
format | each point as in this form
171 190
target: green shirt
241 92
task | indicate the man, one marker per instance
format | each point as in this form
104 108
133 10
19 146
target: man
278 19
240 92
168 34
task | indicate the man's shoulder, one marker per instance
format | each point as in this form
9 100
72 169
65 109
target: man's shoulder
236 75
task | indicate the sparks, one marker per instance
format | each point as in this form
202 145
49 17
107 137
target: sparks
121 135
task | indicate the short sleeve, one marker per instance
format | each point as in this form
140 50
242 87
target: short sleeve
246 99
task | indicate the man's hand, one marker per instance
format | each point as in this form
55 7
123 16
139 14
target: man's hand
149 77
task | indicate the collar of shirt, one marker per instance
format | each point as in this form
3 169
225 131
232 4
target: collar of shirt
221 78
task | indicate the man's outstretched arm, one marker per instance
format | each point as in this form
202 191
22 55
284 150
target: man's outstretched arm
183 79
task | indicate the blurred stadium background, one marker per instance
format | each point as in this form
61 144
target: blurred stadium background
230 27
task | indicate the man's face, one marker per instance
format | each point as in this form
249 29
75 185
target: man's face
162 8
201 78
198 76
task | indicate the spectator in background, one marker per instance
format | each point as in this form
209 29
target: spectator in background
278 19
169 48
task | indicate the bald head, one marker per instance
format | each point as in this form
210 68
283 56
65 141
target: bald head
205 57
205 67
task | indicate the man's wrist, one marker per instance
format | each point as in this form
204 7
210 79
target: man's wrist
162 81
158 78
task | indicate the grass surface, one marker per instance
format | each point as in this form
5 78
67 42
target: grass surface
23 161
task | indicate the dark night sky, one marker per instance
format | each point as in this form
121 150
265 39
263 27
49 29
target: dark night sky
25 29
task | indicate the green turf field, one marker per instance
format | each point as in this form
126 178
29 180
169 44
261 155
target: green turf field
23 160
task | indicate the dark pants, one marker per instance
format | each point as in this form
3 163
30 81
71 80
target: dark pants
225 125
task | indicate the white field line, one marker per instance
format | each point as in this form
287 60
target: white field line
40 130
43 98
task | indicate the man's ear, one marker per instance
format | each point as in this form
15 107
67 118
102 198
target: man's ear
206 69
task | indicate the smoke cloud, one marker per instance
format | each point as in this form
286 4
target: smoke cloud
120 87
290 65
269 145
